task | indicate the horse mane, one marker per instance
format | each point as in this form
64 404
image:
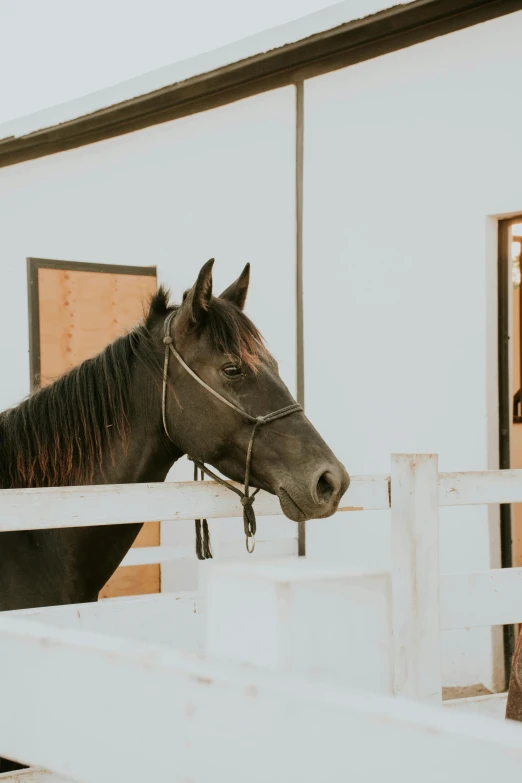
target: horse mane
61 434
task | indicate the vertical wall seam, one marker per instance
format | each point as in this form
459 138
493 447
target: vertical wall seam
299 178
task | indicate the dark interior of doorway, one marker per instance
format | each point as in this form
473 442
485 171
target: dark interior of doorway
509 404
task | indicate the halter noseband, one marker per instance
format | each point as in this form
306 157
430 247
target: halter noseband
203 549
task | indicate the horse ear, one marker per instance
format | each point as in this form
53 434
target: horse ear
237 292
199 296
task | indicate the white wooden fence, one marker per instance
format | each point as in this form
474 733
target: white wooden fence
118 690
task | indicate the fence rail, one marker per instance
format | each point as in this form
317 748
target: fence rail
480 488
113 504
196 715
200 720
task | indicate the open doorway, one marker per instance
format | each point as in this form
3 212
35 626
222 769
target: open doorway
510 395
516 381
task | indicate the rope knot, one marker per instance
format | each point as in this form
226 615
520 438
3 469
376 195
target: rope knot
167 340
247 502
260 420
249 518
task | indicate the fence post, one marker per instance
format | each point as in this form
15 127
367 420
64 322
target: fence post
415 576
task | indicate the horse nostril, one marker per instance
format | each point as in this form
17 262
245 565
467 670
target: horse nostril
326 486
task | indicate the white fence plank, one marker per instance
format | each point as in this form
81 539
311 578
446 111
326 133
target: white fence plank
481 598
235 550
492 704
269 528
150 555
174 619
224 550
314 619
32 775
26 509
415 576
482 487
166 717
56 507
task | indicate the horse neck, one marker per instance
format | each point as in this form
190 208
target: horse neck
146 457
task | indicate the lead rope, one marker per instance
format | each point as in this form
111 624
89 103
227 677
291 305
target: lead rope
203 547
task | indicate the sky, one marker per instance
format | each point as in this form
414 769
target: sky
52 51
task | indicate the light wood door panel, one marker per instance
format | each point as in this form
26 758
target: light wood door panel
79 313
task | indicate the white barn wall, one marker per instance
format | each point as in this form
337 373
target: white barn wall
406 156
217 184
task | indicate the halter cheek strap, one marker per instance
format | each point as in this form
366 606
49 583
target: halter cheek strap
203 548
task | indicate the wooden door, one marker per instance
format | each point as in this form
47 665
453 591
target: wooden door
75 310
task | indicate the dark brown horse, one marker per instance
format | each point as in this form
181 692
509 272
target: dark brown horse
102 423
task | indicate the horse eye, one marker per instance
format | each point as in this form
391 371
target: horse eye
232 371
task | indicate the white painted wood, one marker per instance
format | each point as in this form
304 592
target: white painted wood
481 598
120 504
481 487
225 549
236 550
32 775
304 617
170 717
146 555
282 547
493 704
57 507
172 619
415 576
269 529
304 599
